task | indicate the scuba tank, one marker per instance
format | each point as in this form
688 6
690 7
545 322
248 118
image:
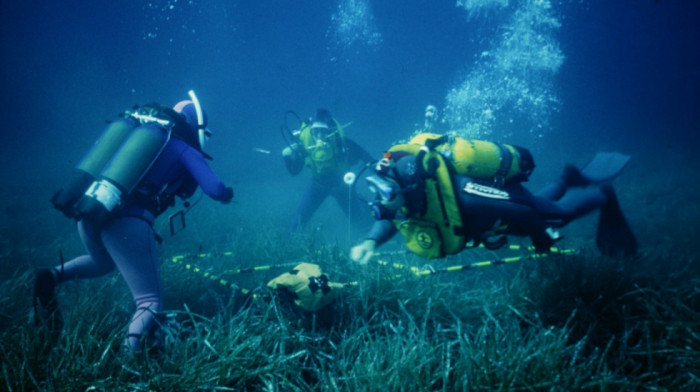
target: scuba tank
126 167
486 161
91 165
122 156
115 164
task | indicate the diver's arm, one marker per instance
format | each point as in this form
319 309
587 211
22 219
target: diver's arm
212 186
293 160
381 232
357 153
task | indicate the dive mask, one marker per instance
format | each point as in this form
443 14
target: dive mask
388 197
204 136
383 189
319 131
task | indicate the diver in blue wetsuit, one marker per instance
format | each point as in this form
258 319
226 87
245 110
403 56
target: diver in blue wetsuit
133 173
324 149
421 195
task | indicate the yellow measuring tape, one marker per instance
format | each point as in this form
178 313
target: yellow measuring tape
486 263
184 260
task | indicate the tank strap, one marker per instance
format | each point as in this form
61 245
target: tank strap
506 162
153 113
153 202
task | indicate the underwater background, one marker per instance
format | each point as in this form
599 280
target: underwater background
565 79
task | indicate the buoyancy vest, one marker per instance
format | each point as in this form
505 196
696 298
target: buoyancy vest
118 160
326 155
438 230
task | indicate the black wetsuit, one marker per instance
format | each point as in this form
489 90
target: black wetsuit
524 213
328 183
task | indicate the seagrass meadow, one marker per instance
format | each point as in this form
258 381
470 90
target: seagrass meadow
566 323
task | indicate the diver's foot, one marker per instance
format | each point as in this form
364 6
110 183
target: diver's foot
609 193
45 302
573 177
614 237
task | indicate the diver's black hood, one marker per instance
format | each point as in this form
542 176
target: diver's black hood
411 181
181 128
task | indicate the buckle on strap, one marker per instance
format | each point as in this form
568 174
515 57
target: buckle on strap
506 162
144 116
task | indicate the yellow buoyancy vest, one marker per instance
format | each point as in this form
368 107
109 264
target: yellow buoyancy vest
324 156
438 231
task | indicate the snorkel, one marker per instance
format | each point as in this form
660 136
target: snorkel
200 119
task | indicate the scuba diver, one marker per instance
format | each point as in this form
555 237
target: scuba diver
321 145
445 194
431 119
132 174
431 122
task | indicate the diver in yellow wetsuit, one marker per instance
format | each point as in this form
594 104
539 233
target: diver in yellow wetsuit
323 148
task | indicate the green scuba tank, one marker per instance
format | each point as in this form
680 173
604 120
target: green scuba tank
91 165
124 170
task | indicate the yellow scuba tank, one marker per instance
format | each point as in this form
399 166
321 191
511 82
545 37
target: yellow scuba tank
478 159
91 165
124 170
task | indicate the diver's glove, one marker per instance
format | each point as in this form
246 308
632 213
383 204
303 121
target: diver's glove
363 252
293 159
229 195
291 151
544 245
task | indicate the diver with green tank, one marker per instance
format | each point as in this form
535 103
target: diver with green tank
142 161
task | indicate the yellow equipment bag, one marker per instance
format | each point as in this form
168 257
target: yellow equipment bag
309 287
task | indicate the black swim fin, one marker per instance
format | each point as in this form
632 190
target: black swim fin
605 166
615 237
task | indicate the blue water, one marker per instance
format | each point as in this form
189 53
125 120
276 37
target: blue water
564 78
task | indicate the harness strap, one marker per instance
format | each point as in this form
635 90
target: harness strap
506 162
445 218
